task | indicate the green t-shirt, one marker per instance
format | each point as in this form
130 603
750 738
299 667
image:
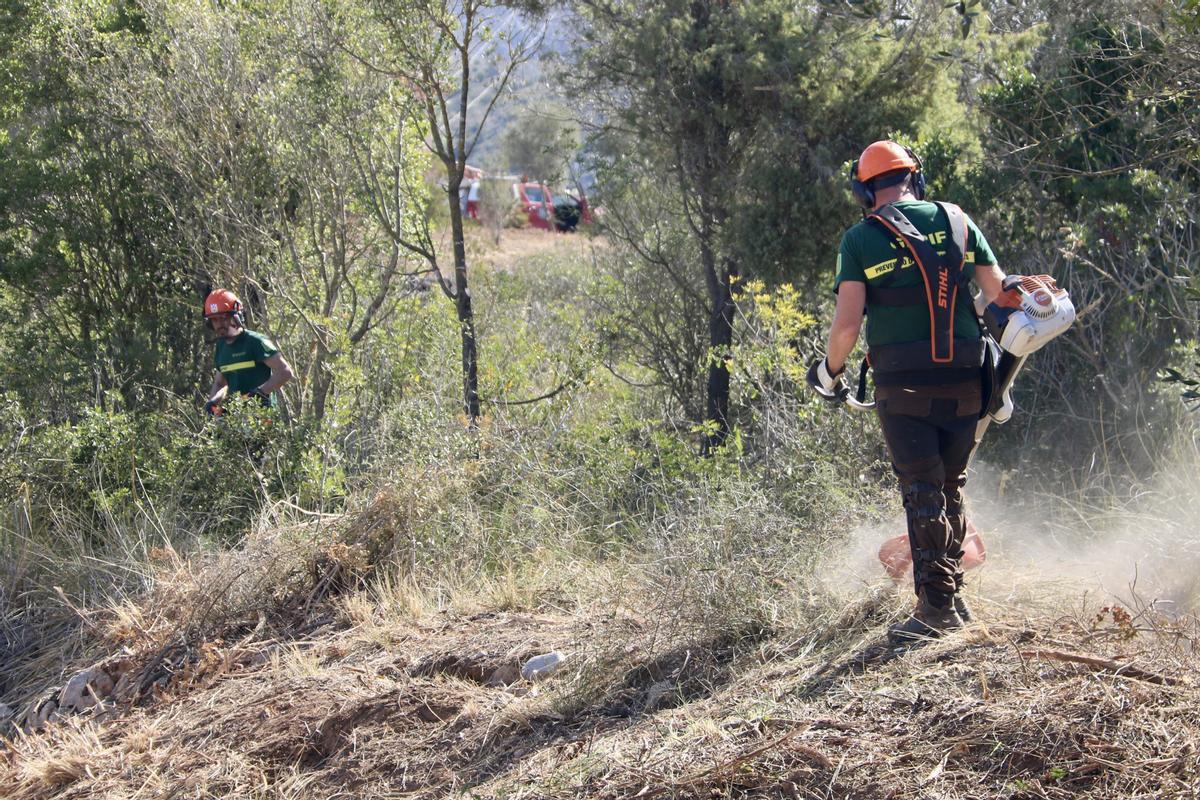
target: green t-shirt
876 258
243 361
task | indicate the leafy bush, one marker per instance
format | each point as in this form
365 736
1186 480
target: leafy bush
208 477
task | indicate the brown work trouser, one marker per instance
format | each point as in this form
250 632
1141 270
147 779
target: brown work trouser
930 433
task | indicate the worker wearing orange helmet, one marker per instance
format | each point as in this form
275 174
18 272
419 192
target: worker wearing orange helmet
247 362
907 265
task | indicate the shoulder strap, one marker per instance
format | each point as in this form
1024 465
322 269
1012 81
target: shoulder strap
895 221
895 225
956 247
941 275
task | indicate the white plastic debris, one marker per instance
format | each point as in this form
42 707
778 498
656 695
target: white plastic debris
542 666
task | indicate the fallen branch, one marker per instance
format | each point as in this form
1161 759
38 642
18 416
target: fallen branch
561 387
1103 664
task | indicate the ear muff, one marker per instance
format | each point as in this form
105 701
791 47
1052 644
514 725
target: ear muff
863 193
918 181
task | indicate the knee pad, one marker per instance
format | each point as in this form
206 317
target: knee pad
929 532
923 500
953 491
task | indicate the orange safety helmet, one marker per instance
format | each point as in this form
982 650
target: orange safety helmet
223 301
881 158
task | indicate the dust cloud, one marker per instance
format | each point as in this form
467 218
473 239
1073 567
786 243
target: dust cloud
1139 550
1044 551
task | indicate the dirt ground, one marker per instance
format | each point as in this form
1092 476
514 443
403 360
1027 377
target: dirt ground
518 246
517 249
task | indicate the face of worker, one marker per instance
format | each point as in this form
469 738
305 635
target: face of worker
225 326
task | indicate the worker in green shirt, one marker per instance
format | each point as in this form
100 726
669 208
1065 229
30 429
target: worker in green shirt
907 266
247 362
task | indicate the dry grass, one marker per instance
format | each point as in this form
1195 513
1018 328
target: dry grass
520 246
400 698
979 715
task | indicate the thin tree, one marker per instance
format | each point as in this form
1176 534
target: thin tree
691 82
435 47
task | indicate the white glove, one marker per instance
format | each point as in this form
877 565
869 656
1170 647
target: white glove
827 384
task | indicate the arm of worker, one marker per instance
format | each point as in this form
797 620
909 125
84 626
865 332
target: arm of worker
281 373
991 281
219 388
847 322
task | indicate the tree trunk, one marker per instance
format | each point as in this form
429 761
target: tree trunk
321 382
720 341
466 314
719 280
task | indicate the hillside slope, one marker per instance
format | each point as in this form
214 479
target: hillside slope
718 642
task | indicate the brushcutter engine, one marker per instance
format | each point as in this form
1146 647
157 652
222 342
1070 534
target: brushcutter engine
1030 312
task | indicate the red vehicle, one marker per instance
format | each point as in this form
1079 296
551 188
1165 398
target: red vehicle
537 203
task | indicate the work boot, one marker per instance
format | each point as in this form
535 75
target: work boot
962 609
927 621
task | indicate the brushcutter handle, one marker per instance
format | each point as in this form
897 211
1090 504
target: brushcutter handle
860 405
833 387
858 401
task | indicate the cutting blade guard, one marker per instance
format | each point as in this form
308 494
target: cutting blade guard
896 555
